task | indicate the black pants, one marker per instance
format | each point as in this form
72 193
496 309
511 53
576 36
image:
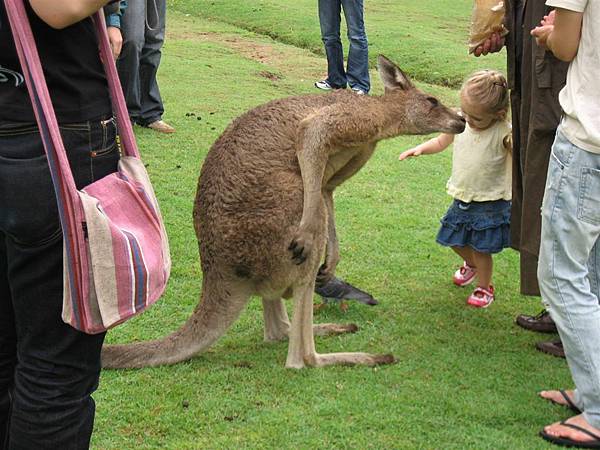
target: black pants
48 370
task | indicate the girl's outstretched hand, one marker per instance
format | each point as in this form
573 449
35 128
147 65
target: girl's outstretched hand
416 151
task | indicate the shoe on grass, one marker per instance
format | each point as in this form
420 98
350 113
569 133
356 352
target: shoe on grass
591 440
323 85
481 297
542 323
464 275
554 348
161 126
567 400
358 91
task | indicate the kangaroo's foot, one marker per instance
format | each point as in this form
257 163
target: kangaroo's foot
332 329
348 359
301 350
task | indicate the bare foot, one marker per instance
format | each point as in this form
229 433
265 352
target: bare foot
561 397
568 430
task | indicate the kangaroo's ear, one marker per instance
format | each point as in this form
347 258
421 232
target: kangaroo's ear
391 75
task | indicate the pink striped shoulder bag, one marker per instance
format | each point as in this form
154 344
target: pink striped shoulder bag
116 252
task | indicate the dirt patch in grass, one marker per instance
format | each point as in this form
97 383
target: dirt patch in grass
270 75
283 58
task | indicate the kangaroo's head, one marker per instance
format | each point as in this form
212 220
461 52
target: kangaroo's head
414 112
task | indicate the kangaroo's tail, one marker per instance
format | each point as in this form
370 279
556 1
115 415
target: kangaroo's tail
220 305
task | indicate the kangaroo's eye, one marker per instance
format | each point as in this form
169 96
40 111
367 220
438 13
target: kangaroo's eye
434 102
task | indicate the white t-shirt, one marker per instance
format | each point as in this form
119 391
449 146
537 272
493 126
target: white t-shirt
481 165
580 98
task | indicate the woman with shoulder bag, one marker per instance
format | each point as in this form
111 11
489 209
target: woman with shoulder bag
48 370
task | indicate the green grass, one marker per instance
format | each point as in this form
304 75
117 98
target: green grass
465 378
427 38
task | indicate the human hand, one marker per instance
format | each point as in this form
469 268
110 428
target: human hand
549 19
416 151
492 45
541 34
542 31
116 40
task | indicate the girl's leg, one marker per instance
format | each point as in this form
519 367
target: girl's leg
466 253
484 264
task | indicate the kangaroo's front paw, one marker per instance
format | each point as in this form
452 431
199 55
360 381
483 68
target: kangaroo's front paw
301 246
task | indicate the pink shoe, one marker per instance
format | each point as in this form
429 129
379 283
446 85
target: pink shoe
464 275
481 297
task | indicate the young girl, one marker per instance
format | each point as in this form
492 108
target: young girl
477 223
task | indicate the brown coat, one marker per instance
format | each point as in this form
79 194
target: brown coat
535 116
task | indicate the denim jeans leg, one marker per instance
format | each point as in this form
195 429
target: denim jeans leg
133 26
8 346
57 367
330 20
570 233
358 55
152 107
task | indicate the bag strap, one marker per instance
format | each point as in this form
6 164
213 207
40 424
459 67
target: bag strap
69 207
126 135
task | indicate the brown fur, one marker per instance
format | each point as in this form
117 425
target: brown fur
264 214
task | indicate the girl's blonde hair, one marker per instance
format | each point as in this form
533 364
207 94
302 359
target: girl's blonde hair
487 88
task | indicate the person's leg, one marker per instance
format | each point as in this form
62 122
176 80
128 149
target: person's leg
329 19
466 253
58 367
570 231
133 25
151 107
8 344
358 55
484 264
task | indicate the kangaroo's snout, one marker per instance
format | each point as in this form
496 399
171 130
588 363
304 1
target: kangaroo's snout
457 125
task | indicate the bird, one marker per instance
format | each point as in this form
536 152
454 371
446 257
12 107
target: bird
338 290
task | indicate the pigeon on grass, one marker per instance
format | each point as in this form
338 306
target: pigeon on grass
336 290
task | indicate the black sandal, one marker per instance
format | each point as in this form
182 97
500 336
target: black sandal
569 404
566 442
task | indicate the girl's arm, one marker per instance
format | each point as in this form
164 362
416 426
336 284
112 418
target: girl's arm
560 32
434 145
62 13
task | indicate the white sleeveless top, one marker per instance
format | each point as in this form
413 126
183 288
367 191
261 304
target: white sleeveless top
481 165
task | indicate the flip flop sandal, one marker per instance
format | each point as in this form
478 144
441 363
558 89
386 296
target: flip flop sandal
569 404
566 442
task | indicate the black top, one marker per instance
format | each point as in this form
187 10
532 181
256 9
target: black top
71 64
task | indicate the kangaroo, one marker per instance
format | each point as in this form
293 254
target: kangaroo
264 214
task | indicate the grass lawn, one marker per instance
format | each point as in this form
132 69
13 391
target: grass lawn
465 378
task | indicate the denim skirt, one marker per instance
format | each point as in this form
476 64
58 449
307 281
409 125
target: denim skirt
483 226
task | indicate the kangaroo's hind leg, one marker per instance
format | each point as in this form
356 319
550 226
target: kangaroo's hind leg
277 324
301 350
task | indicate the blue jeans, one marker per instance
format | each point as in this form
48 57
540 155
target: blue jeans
48 370
357 73
569 265
143 28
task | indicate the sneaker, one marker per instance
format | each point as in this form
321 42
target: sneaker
481 297
358 91
464 275
323 85
161 126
